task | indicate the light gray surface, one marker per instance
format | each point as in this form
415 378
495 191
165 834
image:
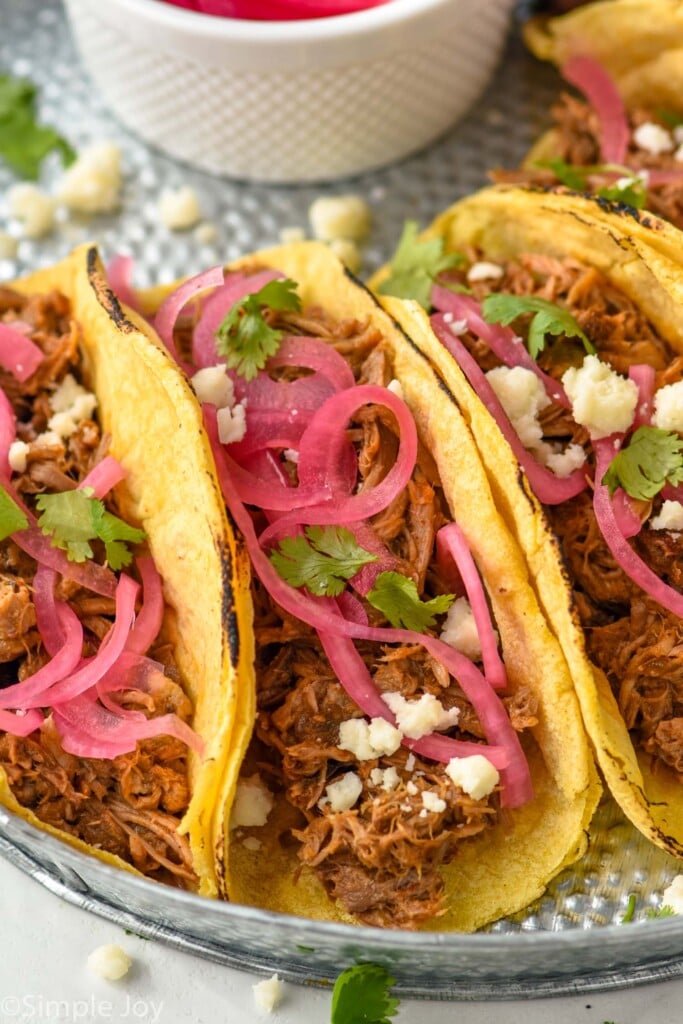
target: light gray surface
572 939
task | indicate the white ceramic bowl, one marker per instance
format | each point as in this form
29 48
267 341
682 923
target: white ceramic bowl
290 101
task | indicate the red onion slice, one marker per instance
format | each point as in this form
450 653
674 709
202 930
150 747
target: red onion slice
623 553
452 540
35 691
549 489
18 354
103 477
235 288
643 377
170 308
20 723
120 278
8 433
502 341
150 617
594 82
87 729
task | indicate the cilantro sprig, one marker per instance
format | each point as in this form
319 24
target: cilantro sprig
245 338
670 118
652 458
416 264
398 599
24 142
664 911
361 996
630 909
567 174
548 318
75 518
12 519
322 561
629 189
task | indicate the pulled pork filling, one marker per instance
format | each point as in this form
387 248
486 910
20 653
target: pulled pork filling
131 805
577 141
381 857
637 643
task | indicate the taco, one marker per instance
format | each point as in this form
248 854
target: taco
560 334
623 138
119 640
397 776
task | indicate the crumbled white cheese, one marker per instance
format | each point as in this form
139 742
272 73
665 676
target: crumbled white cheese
206 233
18 450
475 775
563 463
93 183
291 455
410 762
33 207
522 395
268 994
368 740
346 250
343 793
253 803
70 404
670 517
212 385
411 788
252 843
484 272
179 208
291 235
395 387
48 439
232 423
433 802
602 400
109 962
457 327
673 895
387 778
460 629
8 246
668 414
417 718
653 138
334 217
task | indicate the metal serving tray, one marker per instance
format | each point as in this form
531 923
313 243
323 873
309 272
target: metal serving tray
571 940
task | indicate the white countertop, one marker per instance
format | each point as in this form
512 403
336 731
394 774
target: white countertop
45 943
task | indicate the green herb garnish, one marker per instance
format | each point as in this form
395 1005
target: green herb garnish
665 911
630 910
322 561
244 337
12 519
416 264
567 174
397 598
548 318
24 143
361 996
670 118
632 192
653 458
74 518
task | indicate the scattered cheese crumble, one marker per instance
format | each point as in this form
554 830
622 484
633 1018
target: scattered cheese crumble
432 802
387 778
343 793
475 775
70 404
232 423
179 208
673 895
93 183
8 246
252 843
335 217
396 388
346 250
563 463
460 629
484 272
653 138
206 233
212 385
368 740
670 517
109 962
18 450
291 235
668 414
602 400
268 994
417 718
253 803
522 396
33 207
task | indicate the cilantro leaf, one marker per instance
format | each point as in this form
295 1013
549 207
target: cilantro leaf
632 192
567 174
74 518
361 996
670 118
549 318
244 337
24 143
12 519
397 598
630 910
321 561
652 458
664 911
416 264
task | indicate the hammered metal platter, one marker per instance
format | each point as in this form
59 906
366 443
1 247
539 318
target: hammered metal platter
572 940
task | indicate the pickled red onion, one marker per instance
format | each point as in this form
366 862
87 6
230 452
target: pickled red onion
451 539
623 553
20 723
597 86
18 354
88 729
549 488
35 691
8 433
170 308
502 340
643 376
103 477
232 289
150 617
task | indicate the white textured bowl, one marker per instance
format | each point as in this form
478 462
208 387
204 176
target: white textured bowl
290 101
